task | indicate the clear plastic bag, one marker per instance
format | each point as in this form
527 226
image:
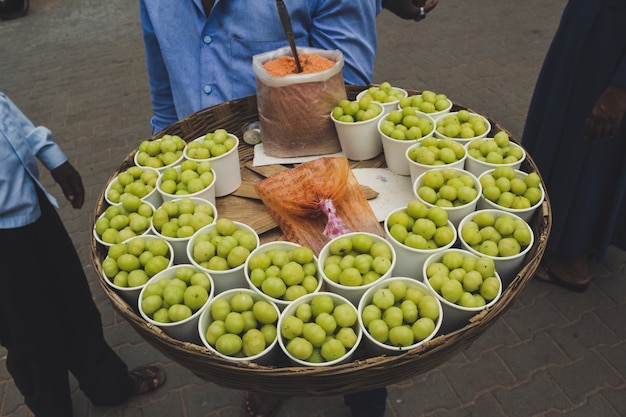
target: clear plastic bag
294 110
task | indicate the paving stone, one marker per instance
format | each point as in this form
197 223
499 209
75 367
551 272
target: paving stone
526 358
532 396
584 377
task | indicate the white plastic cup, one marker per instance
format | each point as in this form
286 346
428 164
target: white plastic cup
179 244
279 245
409 261
416 169
131 294
392 105
98 238
477 167
456 316
184 330
377 348
267 357
459 139
163 168
395 150
224 279
456 213
360 141
290 311
207 193
226 168
153 197
353 294
526 214
506 266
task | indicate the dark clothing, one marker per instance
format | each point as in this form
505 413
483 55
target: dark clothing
585 180
49 323
369 403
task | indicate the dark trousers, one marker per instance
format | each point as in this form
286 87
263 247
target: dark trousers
367 403
49 323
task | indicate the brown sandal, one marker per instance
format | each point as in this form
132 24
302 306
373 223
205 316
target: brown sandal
146 379
545 274
260 405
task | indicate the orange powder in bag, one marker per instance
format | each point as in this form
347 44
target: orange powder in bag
286 65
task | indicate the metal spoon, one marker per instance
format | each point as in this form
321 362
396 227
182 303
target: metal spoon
286 21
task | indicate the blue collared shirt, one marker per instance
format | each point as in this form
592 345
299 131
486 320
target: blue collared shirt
21 144
196 62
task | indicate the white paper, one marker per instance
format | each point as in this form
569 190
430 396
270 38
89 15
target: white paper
394 190
261 159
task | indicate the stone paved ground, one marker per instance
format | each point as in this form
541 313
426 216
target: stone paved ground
77 66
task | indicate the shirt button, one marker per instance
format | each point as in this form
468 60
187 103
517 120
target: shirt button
207 89
207 39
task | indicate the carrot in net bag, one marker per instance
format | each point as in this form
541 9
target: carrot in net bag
317 201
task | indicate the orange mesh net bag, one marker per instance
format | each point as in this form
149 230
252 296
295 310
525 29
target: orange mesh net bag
317 201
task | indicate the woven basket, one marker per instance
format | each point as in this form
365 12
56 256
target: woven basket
364 372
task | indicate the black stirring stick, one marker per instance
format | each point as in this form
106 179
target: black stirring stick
286 21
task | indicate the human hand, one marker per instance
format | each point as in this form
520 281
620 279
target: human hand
71 183
607 114
410 9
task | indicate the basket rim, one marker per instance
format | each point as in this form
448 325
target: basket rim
303 380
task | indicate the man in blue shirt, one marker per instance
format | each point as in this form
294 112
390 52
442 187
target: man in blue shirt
196 59
199 53
49 323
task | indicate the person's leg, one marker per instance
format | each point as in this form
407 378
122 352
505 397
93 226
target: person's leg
370 403
12 9
259 404
101 374
36 358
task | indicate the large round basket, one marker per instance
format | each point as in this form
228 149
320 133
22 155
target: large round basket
363 372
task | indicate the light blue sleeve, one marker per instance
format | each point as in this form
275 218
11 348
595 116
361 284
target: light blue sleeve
18 128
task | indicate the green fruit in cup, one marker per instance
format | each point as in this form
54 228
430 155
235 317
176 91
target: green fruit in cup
406 124
426 102
176 291
497 150
393 310
512 190
384 93
186 218
161 152
434 151
356 111
429 230
119 259
211 145
320 329
454 124
357 259
189 178
241 326
295 273
452 190
121 222
225 247
134 181
482 235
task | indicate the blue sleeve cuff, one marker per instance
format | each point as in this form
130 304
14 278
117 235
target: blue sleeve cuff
48 152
